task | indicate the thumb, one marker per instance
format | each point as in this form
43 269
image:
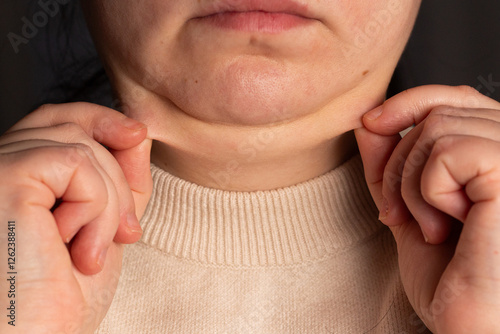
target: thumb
124 136
104 125
412 106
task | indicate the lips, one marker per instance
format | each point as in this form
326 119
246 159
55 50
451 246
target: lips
269 6
267 16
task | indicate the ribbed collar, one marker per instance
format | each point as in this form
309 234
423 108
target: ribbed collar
280 227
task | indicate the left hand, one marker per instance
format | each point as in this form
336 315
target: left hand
441 184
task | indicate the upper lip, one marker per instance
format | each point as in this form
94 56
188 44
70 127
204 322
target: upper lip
270 6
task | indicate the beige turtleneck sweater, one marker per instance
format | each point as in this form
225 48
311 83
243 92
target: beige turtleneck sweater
310 258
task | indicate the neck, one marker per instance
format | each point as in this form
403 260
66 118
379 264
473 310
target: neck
245 158
251 166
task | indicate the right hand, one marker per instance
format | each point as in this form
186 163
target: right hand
68 260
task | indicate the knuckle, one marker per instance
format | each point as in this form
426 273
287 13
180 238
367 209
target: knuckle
470 97
440 122
443 145
76 154
408 193
73 130
104 124
81 149
435 119
467 90
426 192
451 113
444 110
433 127
428 189
412 98
44 108
75 133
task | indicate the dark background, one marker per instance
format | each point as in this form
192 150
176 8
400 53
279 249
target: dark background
455 42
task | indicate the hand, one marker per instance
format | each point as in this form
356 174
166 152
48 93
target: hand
68 258
441 184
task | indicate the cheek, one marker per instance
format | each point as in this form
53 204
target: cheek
378 26
130 33
262 81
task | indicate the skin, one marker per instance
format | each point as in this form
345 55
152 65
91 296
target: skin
190 83
438 189
440 181
55 152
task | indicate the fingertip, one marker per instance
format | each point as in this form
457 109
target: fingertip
384 210
137 135
88 253
132 124
436 232
394 214
89 261
132 223
127 237
373 114
129 231
119 134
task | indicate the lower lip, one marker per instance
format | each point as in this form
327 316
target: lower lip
257 21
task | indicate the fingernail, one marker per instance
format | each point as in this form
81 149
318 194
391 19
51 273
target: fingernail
374 114
133 224
426 238
102 258
384 212
132 124
68 238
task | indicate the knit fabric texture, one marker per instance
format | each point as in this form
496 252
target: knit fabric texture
310 258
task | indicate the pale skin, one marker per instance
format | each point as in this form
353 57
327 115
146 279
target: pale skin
296 124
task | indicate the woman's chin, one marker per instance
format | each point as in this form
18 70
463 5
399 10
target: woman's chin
255 114
253 92
252 108
249 112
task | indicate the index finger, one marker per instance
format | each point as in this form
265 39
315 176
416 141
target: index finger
105 125
413 105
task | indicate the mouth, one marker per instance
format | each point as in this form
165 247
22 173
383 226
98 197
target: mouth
265 16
